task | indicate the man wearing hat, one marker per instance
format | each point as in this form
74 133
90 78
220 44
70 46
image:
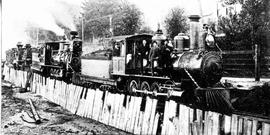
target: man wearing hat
19 55
27 56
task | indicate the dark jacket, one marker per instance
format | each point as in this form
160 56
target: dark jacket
144 50
154 53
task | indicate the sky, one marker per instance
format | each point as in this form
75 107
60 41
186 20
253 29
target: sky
17 14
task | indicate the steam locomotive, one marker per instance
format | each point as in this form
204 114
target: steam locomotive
59 59
126 70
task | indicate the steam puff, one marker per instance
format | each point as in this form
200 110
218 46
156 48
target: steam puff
18 14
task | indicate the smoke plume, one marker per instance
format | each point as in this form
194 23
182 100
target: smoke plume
44 14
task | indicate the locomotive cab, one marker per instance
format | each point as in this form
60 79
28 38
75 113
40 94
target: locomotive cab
129 59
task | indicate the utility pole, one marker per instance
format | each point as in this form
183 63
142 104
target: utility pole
82 27
257 62
111 27
37 36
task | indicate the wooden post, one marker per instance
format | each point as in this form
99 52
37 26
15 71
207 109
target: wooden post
257 62
34 111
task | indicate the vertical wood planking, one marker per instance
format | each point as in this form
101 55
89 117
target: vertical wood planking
155 126
130 114
184 120
91 103
112 112
165 118
81 102
67 96
216 124
70 97
240 126
146 115
85 109
124 113
170 117
208 123
191 119
247 127
234 125
137 116
120 110
265 129
254 127
199 117
104 107
152 116
80 91
127 113
97 104
227 124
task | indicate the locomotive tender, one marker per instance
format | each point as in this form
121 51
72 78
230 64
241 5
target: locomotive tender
124 69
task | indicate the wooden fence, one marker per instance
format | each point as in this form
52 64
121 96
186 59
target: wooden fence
17 77
242 63
124 111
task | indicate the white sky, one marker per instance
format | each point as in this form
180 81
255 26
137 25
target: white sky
16 14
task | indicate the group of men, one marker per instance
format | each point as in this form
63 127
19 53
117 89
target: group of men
158 55
23 56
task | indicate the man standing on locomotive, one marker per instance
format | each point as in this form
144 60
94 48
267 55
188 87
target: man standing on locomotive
209 37
143 51
154 56
165 59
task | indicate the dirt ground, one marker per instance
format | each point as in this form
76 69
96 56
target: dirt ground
54 118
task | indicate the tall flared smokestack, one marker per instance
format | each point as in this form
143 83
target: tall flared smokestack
194 31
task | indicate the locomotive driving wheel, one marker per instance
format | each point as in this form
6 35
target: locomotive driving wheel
155 88
133 85
145 86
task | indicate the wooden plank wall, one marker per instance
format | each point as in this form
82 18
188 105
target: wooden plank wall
117 110
124 111
17 77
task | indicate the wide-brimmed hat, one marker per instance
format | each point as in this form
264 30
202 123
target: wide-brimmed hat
19 44
27 45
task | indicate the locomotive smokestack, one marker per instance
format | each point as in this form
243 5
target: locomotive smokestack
194 31
73 34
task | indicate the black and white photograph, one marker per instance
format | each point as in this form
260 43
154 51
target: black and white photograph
146 67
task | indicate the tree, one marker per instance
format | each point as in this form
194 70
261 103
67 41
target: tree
248 27
146 29
176 22
43 35
128 22
102 15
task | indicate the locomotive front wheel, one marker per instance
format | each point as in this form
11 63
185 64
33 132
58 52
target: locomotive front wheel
133 85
